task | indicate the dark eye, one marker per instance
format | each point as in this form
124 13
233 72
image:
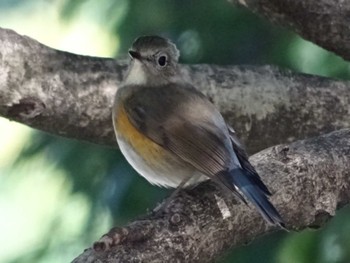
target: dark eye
162 61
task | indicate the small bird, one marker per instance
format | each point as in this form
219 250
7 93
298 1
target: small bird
173 135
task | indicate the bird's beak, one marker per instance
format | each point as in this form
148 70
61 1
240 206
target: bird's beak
134 54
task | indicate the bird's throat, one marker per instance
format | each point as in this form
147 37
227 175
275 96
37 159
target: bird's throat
136 74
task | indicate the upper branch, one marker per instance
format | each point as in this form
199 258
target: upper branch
324 22
71 95
309 179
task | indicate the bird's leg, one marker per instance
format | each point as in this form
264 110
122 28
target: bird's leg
164 205
132 233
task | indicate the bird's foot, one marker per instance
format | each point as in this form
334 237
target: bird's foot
115 236
136 232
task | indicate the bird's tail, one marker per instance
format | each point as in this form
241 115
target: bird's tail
256 192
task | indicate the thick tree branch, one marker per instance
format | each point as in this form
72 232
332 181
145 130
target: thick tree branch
309 180
324 22
71 95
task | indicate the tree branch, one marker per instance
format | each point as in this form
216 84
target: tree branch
309 180
324 22
71 95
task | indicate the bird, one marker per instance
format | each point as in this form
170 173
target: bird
171 133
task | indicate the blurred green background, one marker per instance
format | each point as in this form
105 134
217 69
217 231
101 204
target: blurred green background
57 195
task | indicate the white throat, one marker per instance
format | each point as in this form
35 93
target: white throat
136 74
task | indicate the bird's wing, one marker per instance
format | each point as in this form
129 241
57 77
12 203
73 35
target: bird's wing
184 122
243 160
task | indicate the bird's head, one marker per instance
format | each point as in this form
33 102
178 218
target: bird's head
153 61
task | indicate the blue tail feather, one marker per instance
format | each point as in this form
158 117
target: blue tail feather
256 194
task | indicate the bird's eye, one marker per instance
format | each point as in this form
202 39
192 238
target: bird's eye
162 61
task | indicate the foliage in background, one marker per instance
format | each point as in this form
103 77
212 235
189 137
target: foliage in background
106 188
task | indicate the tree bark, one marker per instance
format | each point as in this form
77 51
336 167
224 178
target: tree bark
71 95
324 22
309 179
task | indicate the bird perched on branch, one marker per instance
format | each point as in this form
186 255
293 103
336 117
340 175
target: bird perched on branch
173 135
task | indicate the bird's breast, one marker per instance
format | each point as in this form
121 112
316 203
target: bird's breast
141 144
152 161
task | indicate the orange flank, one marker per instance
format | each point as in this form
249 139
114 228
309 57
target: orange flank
145 147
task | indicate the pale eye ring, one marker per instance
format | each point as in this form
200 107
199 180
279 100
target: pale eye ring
162 60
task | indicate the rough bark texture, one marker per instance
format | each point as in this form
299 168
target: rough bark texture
324 22
55 91
71 95
309 179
